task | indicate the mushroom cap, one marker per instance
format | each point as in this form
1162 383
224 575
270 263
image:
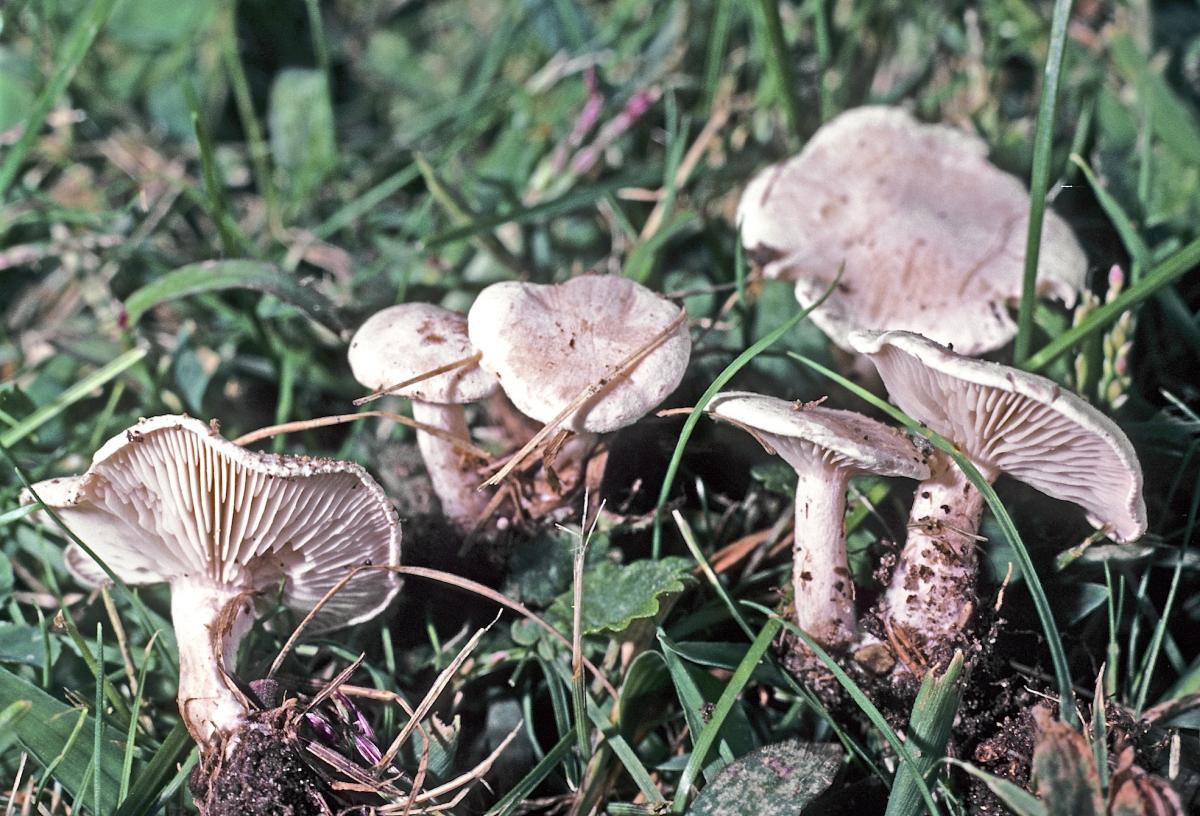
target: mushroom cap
547 344
170 499
930 235
1011 421
404 341
803 434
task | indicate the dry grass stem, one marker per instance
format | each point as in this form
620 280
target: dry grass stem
621 371
338 419
427 375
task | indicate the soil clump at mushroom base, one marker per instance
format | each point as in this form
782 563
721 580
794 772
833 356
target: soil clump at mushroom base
263 773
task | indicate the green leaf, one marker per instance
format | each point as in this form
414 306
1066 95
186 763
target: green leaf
615 595
929 728
20 643
79 390
1064 769
9 716
214 276
152 24
46 734
303 141
775 780
16 100
540 569
153 777
1020 801
6 578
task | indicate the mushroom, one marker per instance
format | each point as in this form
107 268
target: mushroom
171 500
929 236
548 344
402 342
1003 420
826 447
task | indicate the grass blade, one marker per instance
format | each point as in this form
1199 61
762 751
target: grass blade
724 705
1163 274
154 779
79 41
214 276
689 425
779 65
1040 180
71 396
929 728
865 705
1041 603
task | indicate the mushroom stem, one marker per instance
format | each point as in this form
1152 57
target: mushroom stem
932 591
456 490
199 612
824 589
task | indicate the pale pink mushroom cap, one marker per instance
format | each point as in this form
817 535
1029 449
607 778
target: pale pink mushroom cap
170 499
1007 420
547 344
403 341
806 435
931 234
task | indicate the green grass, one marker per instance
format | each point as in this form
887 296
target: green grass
206 198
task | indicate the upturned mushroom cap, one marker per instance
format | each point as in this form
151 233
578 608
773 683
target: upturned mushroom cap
803 434
547 344
1011 421
403 341
931 236
170 499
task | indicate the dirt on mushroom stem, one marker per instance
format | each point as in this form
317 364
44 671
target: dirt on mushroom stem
931 597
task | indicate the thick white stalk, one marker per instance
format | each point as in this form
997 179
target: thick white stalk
455 487
824 589
206 702
932 591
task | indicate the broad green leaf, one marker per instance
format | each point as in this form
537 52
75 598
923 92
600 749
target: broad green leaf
16 101
214 276
615 595
20 643
303 142
152 24
46 734
775 780
154 775
644 694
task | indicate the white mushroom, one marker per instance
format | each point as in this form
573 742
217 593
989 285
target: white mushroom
1005 421
930 235
170 500
405 341
547 344
826 447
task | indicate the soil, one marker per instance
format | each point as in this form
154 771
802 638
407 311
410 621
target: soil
258 771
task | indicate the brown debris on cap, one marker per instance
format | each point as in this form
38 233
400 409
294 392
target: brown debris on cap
548 344
929 234
410 339
170 499
1007 420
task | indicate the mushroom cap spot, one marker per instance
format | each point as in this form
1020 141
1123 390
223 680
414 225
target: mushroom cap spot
550 343
807 435
404 341
171 499
1009 420
930 235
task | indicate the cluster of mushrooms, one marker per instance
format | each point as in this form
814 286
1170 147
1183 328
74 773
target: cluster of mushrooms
927 237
